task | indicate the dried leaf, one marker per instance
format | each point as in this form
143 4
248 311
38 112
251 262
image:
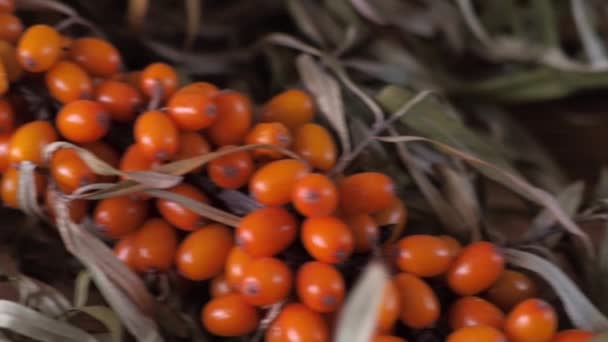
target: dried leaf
367 10
592 43
136 13
40 296
291 42
580 310
47 5
601 337
357 321
460 193
109 319
600 191
30 323
193 9
81 288
328 96
26 190
299 12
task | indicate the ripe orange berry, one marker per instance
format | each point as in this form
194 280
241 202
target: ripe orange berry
231 171
365 193
157 135
475 269
315 195
230 315
39 48
77 209
327 239
178 215
69 171
296 322
4 150
8 56
572 335
531 320
118 216
423 255
122 100
158 78
7 6
203 253
236 262
29 141
10 185
365 231
315 144
273 183
156 243
471 311
97 56
394 214
192 144
133 159
234 115
389 308
292 108
477 334
83 121
7 117
191 111
419 305
266 231
510 289
454 245
266 281
11 27
4 81
388 338
202 88
219 286
272 133
67 82
320 286
126 251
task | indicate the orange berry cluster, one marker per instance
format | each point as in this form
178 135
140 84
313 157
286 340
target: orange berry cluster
249 268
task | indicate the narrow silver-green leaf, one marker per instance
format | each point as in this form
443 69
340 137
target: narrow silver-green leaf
109 319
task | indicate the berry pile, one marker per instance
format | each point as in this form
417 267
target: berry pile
304 210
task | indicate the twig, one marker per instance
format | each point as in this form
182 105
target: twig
591 43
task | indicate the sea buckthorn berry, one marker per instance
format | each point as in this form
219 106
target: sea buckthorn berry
203 253
156 243
273 183
4 148
191 111
219 286
388 338
477 334
118 216
10 185
315 144
573 335
532 320
292 108
320 286
8 56
272 133
126 251
77 209
510 289
394 214
265 232
192 144
4 81
423 255
157 135
39 48
266 281
419 305
327 239
202 88
231 171
158 78
106 153
471 311
454 245
315 195
29 141
365 231
365 193
11 27
7 6
83 121
297 322
389 308
67 82
234 116
7 117
97 56
133 159
230 315
178 215
69 171
475 269
236 262
122 100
